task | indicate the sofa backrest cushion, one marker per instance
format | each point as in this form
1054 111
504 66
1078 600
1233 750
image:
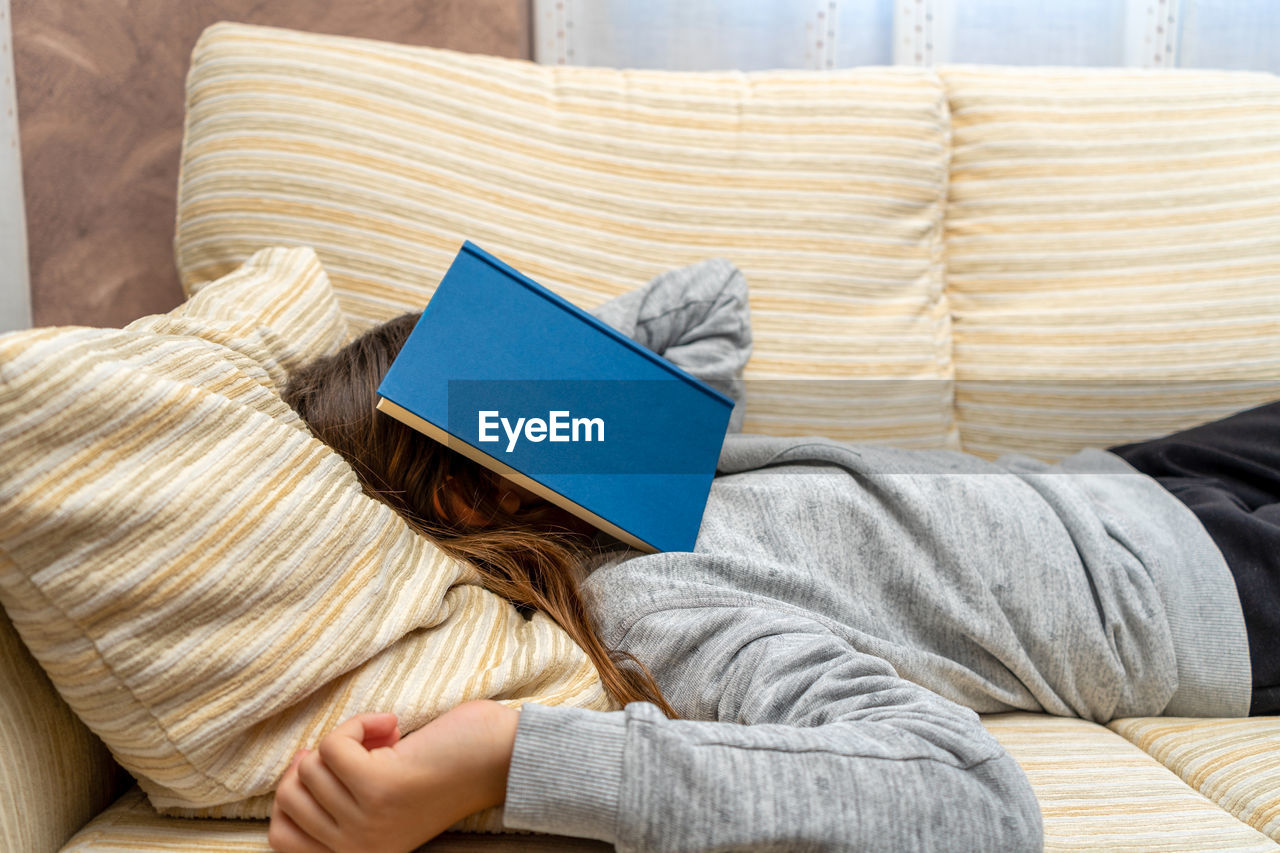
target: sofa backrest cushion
204 582
1113 252
825 188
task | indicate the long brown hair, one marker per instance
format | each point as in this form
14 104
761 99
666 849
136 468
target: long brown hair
530 556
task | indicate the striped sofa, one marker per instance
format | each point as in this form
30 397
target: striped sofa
1032 260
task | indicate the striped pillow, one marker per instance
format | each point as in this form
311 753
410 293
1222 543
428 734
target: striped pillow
1113 252
825 188
205 583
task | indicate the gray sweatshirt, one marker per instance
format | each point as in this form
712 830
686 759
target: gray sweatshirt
845 613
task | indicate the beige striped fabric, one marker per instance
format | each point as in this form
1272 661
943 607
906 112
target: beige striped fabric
54 774
1099 792
1113 252
1235 763
826 189
132 826
204 582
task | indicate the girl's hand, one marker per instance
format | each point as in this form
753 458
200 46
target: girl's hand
364 788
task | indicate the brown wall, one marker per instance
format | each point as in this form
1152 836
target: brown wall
100 103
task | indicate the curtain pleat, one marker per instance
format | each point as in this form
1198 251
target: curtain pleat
749 35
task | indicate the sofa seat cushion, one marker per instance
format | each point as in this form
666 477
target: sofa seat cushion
1113 252
1235 763
131 825
205 583
825 188
1097 791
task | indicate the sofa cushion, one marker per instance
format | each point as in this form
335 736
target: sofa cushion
54 774
1113 252
1235 763
1096 791
1099 792
825 188
205 583
130 825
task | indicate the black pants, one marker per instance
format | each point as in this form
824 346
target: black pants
1228 473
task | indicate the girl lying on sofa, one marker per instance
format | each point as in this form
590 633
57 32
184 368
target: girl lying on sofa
807 678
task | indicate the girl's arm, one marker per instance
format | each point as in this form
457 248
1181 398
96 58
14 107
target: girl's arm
698 318
822 748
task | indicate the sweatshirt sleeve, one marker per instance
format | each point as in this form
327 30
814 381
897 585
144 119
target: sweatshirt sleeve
698 318
817 747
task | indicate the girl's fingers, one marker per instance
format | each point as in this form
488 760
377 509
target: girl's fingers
379 730
370 730
327 789
343 750
285 836
295 802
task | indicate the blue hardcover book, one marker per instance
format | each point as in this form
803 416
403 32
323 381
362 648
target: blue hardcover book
517 378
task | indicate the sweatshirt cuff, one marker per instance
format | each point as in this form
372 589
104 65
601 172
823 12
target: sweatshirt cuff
566 771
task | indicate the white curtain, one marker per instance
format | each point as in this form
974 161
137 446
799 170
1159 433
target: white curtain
758 34
15 298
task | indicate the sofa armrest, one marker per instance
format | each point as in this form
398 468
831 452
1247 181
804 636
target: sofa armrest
54 773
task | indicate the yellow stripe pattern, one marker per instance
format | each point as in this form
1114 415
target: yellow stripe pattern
1099 792
826 189
132 826
1113 253
1235 763
43 801
204 582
